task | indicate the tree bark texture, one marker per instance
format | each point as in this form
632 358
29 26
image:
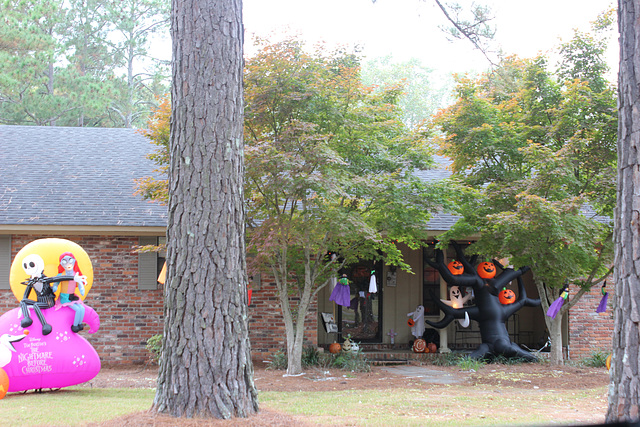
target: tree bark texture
624 390
206 367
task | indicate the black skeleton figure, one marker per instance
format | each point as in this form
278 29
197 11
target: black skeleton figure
33 265
490 314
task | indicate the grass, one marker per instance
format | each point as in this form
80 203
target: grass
72 406
442 407
450 405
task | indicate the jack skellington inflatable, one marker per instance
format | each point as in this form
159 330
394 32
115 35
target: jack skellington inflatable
488 311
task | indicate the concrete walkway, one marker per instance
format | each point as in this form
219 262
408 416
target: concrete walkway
428 375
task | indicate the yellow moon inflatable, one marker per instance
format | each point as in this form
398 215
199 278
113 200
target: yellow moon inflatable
50 251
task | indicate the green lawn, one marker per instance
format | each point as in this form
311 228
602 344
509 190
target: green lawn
72 406
453 405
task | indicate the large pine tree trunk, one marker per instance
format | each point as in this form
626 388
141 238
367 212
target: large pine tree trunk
206 367
624 391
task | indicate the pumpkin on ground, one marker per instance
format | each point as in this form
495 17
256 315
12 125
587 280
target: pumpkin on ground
419 346
335 348
432 347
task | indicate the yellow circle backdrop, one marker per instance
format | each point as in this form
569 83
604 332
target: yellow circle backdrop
50 251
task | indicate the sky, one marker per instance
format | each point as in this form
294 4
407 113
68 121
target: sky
409 28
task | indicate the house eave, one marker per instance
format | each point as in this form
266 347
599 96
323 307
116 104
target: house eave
84 230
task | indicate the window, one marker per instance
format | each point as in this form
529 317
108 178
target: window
5 261
150 263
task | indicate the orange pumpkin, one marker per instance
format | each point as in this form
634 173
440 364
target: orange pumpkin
419 346
507 296
411 323
455 267
433 348
486 270
335 348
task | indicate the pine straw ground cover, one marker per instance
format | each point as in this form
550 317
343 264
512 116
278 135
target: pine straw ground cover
527 394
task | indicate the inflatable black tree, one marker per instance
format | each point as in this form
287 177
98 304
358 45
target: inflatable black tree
489 312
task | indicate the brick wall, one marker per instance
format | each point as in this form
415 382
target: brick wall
128 317
589 331
266 325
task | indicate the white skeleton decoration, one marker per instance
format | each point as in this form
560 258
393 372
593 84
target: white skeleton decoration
456 300
33 265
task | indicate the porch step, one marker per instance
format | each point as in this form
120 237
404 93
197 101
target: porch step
388 362
396 357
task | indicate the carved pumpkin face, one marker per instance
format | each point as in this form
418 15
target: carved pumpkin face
346 345
486 270
507 296
419 346
455 267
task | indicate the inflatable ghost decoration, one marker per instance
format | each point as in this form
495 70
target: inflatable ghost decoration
39 342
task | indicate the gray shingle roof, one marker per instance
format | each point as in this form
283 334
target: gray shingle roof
440 170
75 176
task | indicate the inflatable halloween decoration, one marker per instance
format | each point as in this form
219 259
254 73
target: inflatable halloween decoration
456 267
602 307
417 326
490 314
555 307
487 270
456 300
51 278
506 296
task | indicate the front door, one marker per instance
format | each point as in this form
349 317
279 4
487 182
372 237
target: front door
362 320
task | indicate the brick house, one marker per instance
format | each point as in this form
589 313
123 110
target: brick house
94 170
78 184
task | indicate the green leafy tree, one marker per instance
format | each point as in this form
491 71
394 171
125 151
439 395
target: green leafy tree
61 63
536 149
419 99
133 23
329 170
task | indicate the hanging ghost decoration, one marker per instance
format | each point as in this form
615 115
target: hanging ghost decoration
373 285
417 318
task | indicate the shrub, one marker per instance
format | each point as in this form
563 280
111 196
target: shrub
353 362
311 357
154 346
278 361
598 359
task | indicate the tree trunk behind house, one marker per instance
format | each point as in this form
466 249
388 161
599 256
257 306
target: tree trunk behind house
206 367
624 390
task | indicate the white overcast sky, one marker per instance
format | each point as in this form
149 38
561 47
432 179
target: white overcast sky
409 28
